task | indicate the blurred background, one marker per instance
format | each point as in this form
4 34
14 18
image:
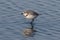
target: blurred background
12 23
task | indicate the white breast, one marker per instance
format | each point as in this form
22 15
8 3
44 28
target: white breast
30 16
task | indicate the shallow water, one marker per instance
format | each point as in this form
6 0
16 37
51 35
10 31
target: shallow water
12 23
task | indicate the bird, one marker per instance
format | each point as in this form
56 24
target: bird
30 14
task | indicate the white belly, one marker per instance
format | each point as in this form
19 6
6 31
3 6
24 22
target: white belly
30 17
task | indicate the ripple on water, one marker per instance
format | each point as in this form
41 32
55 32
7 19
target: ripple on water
12 23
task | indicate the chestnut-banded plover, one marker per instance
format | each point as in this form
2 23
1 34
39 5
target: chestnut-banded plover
30 14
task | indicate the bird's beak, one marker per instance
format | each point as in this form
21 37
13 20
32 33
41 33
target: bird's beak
21 13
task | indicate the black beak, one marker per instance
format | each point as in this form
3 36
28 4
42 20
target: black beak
21 13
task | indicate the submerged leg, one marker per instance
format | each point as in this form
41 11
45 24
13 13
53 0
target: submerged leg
32 24
32 21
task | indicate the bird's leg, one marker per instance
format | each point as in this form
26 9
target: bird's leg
32 24
32 21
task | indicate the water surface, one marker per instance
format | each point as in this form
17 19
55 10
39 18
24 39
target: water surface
12 23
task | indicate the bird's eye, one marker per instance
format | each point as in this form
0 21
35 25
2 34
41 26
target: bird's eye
26 15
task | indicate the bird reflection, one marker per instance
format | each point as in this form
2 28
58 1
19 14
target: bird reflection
29 31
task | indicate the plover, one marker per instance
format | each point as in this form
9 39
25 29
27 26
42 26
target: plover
30 14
